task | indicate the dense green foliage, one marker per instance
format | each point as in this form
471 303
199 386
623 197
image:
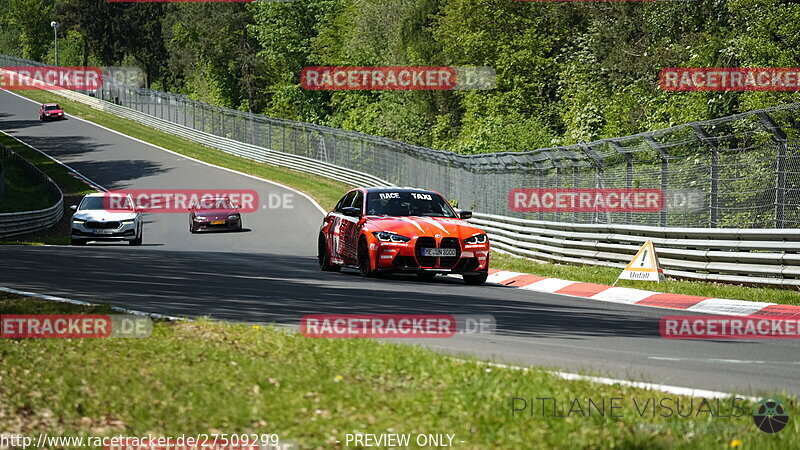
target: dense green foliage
567 71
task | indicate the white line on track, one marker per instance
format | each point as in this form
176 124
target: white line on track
83 177
275 183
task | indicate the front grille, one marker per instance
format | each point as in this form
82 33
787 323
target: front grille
102 225
425 242
449 262
405 262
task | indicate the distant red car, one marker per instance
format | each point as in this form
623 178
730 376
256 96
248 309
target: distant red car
51 111
214 214
402 230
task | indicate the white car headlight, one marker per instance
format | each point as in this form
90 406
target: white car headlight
233 217
78 221
128 221
477 239
386 236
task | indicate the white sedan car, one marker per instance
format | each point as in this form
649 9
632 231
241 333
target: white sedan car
94 221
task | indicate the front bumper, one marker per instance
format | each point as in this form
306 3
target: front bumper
53 117
125 232
407 258
230 224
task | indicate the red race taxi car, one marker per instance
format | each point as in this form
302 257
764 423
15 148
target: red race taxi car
51 111
214 214
402 230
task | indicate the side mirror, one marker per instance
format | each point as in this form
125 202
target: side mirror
74 207
351 211
464 214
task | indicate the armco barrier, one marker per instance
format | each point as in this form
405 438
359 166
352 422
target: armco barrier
747 256
732 255
15 223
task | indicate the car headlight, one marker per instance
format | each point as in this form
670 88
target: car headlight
128 222
199 219
233 217
477 239
385 236
78 221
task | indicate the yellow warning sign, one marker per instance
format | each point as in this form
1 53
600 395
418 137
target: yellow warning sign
644 266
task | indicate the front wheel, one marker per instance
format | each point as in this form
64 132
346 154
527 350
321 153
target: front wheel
475 279
137 241
324 257
363 259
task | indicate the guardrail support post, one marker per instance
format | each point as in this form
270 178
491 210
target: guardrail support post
780 166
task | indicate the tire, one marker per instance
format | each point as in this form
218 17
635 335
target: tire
363 259
426 276
324 258
137 241
475 279
77 241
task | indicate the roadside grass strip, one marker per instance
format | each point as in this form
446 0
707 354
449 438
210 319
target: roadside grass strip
325 191
195 377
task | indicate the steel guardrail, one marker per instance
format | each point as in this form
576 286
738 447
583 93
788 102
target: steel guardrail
744 256
23 222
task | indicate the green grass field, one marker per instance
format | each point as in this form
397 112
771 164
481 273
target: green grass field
206 377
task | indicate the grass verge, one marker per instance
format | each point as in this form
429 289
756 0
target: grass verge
72 188
205 377
21 191
326 192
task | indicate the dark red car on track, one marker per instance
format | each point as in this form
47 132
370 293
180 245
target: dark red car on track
51 111
214 214
402 230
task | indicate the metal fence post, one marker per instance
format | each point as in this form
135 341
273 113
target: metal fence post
714 200
664 175
780 166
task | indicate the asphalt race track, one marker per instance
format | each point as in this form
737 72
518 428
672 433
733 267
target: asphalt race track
269 273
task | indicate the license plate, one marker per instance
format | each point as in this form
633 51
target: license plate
439 252
217 222
103 231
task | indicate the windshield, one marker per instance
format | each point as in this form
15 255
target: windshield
98 203
51 107
214 203
400 204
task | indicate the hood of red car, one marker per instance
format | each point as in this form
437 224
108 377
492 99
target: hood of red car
424 226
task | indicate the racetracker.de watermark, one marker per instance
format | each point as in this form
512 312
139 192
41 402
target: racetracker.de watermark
397 78
727 327
28 78
730 79
178 200
395 325
585 200
74 326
